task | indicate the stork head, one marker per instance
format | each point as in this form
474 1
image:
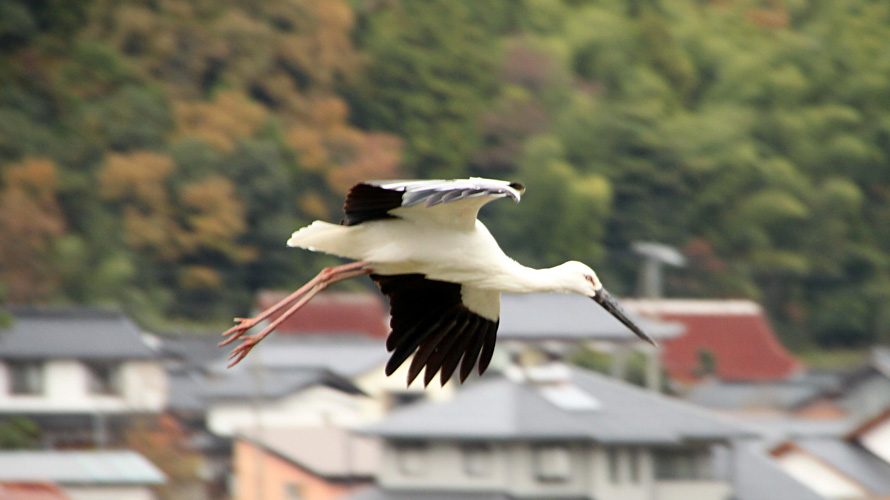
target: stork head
584 281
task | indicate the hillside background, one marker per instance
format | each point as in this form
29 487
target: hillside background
156 154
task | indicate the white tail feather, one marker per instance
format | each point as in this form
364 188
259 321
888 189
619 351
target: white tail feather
322 236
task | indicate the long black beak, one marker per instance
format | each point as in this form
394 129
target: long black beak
605 299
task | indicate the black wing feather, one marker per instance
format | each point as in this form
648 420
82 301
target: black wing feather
375 199
430 318
366 202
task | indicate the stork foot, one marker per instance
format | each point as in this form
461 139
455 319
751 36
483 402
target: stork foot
292 302
242 350
235 333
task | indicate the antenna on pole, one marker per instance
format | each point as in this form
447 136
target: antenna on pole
655 256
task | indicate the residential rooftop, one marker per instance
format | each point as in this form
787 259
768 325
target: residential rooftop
555 316
64 467
334 313
346 355
331 452
577 404
72 332
735 333
848 458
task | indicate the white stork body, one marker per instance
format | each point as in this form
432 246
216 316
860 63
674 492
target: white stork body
441 268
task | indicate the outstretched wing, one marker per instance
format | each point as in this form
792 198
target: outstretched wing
432 320
459 200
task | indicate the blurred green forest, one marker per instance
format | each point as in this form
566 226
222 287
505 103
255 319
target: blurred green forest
156 154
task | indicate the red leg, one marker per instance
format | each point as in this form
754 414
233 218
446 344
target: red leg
302 296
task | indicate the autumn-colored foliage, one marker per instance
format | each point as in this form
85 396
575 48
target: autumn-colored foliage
159 152
30 222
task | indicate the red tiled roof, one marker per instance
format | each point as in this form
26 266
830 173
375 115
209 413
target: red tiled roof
31 491
334 313
735 332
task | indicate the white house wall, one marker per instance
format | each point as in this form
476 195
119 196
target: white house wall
144 385
514 471
686 490
316 406
442 467
66 390
376 384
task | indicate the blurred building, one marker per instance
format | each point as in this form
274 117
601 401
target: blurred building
302 462
79 373
333 313
730 340
79 475
560 432
560 324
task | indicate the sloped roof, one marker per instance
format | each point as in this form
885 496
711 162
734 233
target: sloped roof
735 332
559 316
334 313
742 396
848 458
617 412
757 477
347 356
192 349
68 332
330 452
272 384
186 391
79 467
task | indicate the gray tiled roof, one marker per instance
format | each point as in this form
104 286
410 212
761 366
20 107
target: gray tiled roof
272 384
192 349
573 317
79 467
347 356
500 408
852 460
186 391
81 333
756 476
774 429
751 396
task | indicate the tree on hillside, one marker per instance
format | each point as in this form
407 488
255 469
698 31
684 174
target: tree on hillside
31 221
428 73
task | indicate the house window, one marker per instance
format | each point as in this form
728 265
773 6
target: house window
25 377
692 463
477 460
411 458
104 378
552 463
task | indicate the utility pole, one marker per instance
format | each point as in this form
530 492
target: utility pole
651 286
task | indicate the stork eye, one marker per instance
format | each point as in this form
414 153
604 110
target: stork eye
589 278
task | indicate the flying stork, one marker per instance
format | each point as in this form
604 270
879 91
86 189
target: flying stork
443 272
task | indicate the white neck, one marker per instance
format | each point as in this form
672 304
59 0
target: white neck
522 279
